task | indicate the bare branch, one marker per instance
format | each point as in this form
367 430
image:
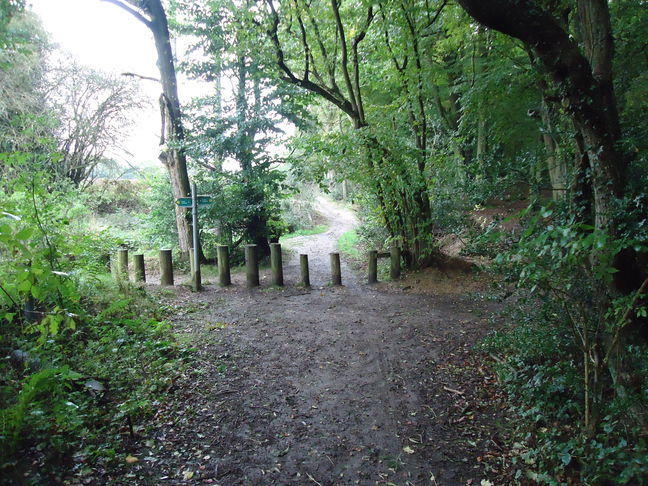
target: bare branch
139 76
128 8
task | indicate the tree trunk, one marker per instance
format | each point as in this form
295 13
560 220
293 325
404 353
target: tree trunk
585 87
555 163
151 13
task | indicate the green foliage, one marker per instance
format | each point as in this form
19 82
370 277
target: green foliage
305 232
348 244
160 228
563 360
107 196
298 211
86 354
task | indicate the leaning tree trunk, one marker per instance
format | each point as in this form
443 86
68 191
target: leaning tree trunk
585 85
151 13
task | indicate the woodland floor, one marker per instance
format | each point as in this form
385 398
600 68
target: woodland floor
329 385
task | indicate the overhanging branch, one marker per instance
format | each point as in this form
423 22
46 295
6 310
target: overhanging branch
128 8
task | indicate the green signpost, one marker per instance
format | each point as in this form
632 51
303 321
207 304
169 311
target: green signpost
188 202
185 202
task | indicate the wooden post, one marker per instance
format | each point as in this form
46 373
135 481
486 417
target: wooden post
336 272
372 275
196 280
138 265
166 268
305 274
276 264
395 269
224 276
251 266
123 263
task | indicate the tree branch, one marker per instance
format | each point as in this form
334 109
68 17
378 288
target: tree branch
290 77
132 11
345 54
139 76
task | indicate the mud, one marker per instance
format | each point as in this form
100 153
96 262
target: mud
324 386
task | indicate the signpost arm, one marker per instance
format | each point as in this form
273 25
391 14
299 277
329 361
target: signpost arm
196 253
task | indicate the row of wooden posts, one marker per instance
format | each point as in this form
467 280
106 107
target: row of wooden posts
252 267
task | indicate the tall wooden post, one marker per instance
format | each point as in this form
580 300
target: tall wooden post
166 268
276 265
305 273
336 272
395 267
138 265
251 266
123 263
224 276
372 274
195 277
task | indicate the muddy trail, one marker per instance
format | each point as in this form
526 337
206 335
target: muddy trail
324 386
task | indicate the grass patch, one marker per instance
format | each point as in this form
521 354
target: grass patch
348 244
320 228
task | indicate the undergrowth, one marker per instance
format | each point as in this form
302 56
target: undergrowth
76 401
575 371
84 359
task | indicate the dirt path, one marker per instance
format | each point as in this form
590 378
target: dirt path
318 247
328 386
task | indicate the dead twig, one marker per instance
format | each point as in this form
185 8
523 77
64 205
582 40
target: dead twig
313 479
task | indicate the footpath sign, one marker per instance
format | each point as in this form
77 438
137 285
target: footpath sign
185 202
194 202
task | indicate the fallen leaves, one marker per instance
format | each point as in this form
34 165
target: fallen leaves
131 459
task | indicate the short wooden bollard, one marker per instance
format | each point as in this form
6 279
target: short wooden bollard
305 273
276 265
395 267
372 275
336 272
166 268
123 263
251 266
224 275
138 268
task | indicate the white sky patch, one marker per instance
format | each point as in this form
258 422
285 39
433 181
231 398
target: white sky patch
105 37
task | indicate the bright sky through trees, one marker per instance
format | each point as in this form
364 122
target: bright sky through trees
105 37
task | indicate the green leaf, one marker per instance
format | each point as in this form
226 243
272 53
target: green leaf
24 286
36 292
566 458
25 234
